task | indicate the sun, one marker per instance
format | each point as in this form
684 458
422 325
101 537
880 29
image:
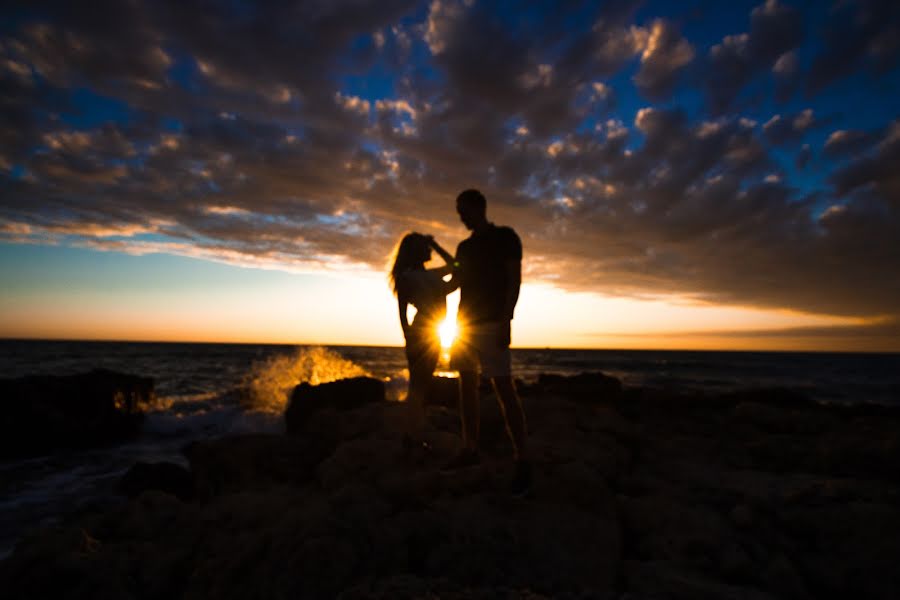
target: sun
447 332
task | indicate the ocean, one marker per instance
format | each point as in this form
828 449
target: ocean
198 389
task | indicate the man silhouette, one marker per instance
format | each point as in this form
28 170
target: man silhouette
489 271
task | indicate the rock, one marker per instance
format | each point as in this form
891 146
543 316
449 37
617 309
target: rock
45 413
655 495
781 576
410 586
495 541
329 427
252 462
763 416
779 398
359 461
345 394
857 452
660 579
584 387
771 418
846 548
166 477
742 516
671 529
443 391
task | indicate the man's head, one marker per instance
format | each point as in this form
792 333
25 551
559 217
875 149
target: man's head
472 209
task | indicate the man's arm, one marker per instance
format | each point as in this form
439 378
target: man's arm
513 269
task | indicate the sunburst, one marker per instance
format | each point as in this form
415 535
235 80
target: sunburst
447 332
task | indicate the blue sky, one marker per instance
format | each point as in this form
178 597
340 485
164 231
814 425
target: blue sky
723 155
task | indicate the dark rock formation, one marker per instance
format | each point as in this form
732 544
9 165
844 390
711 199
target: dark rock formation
443 391
44 413
346 394
637 494
165 477
595 387
251 461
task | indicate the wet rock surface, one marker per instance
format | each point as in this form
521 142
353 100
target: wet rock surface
637 494
40 414
163 476
306 400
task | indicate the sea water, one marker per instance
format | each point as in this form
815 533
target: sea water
209 390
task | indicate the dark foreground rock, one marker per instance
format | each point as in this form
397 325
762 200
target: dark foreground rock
44 413
306 400
638 494
164 476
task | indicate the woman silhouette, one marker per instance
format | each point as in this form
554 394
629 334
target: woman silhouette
427 291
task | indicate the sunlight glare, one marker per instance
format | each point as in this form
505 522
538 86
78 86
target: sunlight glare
447 332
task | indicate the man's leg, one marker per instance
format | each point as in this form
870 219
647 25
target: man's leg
468 409
513 414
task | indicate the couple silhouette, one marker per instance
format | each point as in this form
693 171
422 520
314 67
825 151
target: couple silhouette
487 269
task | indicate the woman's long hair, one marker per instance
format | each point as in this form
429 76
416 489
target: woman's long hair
407 255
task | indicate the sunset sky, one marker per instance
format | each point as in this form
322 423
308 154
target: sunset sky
692 174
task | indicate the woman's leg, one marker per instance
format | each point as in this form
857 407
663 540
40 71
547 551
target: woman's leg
415 401
422 363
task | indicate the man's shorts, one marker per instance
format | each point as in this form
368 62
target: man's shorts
484 345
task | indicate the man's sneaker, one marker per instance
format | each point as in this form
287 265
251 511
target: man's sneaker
521 482
465 458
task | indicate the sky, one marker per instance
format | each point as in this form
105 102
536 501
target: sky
691 174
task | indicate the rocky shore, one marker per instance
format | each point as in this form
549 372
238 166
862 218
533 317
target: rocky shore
45 413
638 493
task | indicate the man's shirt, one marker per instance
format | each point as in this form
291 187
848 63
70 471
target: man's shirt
483 276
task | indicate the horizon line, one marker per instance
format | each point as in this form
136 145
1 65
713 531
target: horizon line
400 347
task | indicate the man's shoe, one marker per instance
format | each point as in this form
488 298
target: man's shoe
521 482
465 458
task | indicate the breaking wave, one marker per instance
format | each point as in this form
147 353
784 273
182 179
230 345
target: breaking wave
268 385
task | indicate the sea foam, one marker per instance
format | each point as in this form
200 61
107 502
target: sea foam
268 385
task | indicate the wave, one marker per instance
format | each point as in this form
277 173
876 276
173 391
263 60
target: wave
268 386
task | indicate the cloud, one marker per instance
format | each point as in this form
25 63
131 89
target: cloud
775 30
664 54
443 16
790 128
876 173
285 135
353 104
844 142
861 34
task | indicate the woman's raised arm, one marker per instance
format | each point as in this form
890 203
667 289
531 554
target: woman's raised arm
448 258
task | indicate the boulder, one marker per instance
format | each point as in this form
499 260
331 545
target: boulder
776 397
443 391
637 498
548 548
661 579
409 586
251 462
345 394
846 548
164 476
44 413
584 387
